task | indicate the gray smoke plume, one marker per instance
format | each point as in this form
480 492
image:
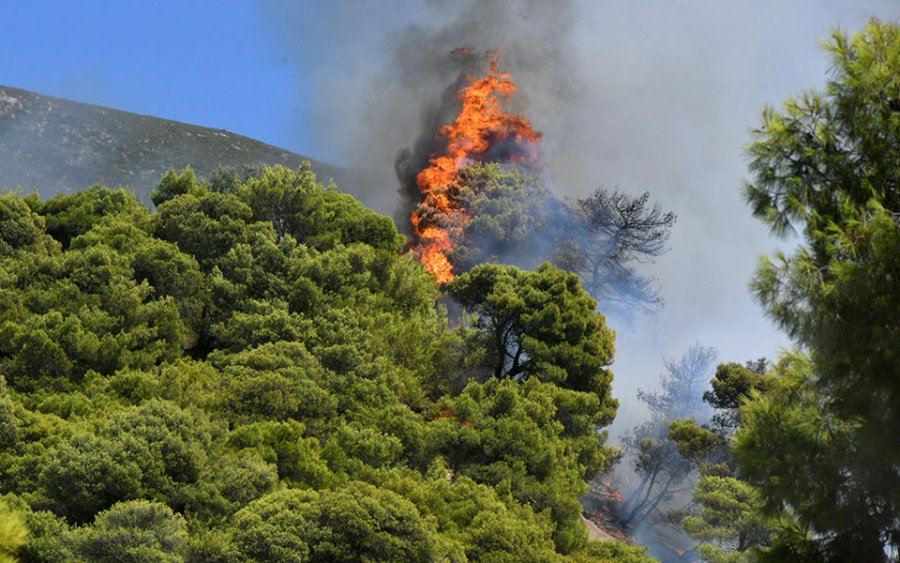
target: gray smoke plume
640 96
430 62
383 117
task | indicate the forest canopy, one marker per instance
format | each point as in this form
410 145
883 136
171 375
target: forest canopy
255 371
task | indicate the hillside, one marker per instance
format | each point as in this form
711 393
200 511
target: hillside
256 371
57 145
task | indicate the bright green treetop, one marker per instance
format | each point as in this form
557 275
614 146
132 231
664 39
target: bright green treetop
538 324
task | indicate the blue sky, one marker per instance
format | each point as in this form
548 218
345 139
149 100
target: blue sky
218 64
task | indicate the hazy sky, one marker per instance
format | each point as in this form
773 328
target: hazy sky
643 95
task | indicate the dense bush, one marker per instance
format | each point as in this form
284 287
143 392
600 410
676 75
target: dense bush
257 372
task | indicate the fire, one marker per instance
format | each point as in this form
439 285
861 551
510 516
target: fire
480 126
611 490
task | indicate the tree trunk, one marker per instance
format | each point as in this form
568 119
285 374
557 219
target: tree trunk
643 501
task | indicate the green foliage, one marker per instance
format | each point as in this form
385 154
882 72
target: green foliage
229 483
135 531
254 372
612 551
9 422
87 474
276 381
694 442
13 533
204 224
824 147
731 519
66 314
172 185
498 539
50 538
728 517
476 517
21 229
539 324
732 384
154 450
296 205
507 435
825 166
68 216
273 528
358 523
789 422
298 459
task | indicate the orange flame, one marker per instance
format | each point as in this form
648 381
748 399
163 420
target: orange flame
611 490
481 123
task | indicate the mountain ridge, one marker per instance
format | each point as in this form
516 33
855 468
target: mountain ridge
55 145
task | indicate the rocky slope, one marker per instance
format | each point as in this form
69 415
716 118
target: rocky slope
57 145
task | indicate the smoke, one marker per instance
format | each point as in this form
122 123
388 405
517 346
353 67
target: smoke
384 93
639 96
526 37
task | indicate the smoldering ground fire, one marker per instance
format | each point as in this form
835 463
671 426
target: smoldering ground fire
481 132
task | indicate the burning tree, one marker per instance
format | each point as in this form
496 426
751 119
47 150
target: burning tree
477 205
482 132
513 216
